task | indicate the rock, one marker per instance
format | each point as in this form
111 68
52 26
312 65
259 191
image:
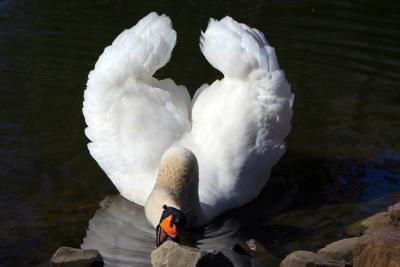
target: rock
256 250
251 247
74 257
341 250
302 258
377 249
356 228
172 254
394 215
378 222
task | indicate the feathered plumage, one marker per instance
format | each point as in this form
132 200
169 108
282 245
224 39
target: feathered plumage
235 127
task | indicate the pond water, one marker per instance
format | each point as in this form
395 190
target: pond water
343 160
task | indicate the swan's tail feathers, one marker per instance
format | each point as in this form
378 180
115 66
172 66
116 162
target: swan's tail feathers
236 49
137 52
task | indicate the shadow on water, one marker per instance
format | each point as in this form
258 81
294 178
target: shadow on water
341 57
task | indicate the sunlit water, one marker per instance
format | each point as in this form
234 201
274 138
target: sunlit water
343 160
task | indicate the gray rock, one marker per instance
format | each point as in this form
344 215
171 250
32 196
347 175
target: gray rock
394 215
308 259
377 249
74 257
172 254
341 250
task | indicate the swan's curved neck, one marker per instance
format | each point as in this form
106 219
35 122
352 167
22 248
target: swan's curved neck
176 186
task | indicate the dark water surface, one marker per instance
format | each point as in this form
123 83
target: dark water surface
343 160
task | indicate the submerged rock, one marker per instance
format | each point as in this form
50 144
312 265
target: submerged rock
377 249
74 257
256 250
250 247
172 254
377 222
357 228
394 215
341 250
308 259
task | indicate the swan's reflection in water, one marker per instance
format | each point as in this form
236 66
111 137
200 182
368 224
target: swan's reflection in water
120 231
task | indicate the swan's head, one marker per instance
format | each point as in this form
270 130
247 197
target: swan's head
171 221
174 201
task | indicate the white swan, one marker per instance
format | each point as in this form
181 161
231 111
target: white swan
201 157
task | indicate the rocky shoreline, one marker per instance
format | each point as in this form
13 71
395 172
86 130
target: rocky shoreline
375 242
371 242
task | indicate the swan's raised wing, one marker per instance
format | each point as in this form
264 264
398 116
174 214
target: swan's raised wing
238 123
133 118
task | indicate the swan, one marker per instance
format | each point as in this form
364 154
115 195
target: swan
187 161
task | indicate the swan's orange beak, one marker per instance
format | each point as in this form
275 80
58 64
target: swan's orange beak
166 229
168 226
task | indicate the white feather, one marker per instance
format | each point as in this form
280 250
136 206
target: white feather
238 123
133 118
237 127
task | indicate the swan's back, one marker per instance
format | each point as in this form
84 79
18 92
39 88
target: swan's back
236 127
